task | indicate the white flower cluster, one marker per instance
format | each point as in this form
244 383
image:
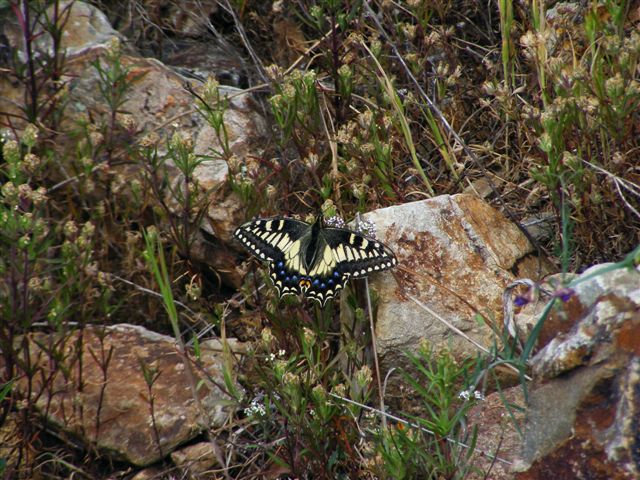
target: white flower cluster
256 409
467 394
272 356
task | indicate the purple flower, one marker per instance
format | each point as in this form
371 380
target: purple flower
564 294
520 300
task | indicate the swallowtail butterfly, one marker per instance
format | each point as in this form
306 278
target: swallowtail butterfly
312 259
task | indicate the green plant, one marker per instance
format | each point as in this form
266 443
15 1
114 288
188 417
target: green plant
36 289
212 105
181 202
588 92
436 443
114 82
401 119
507 47
151 374
297 391
296 108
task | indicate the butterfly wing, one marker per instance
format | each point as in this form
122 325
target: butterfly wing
270 238
339 255
345 254
358 255
278 241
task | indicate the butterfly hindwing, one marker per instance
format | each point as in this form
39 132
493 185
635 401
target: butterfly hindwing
290 282
312 259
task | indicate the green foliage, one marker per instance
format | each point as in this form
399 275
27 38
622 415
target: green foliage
154 255
295 107
434 444
181 203
590 94
34 288
114 82
212 105
297 397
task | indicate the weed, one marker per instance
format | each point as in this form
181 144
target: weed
40 72
589 93
114 82
37 291
436 443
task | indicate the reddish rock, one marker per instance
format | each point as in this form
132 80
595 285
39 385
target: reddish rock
584 406
498 442
92 385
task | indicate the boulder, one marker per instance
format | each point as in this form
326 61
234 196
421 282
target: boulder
583 413
456 254
125 390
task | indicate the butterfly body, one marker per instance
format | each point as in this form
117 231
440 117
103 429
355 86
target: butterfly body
312 259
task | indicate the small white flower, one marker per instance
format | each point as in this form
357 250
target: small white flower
478 395
467 394
256 409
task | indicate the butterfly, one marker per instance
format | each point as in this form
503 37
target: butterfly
312 259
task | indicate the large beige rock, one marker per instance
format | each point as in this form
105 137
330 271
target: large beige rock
92 385
456 254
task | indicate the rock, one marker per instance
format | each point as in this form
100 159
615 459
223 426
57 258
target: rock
85 27
95 389
195 460
189 18
567 12
541 226
150 473
498 434
590 376
214 57
456 254
91 29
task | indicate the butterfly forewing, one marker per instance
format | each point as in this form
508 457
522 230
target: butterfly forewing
269 238
357 255
338 254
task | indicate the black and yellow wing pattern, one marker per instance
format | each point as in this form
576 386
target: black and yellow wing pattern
312 259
